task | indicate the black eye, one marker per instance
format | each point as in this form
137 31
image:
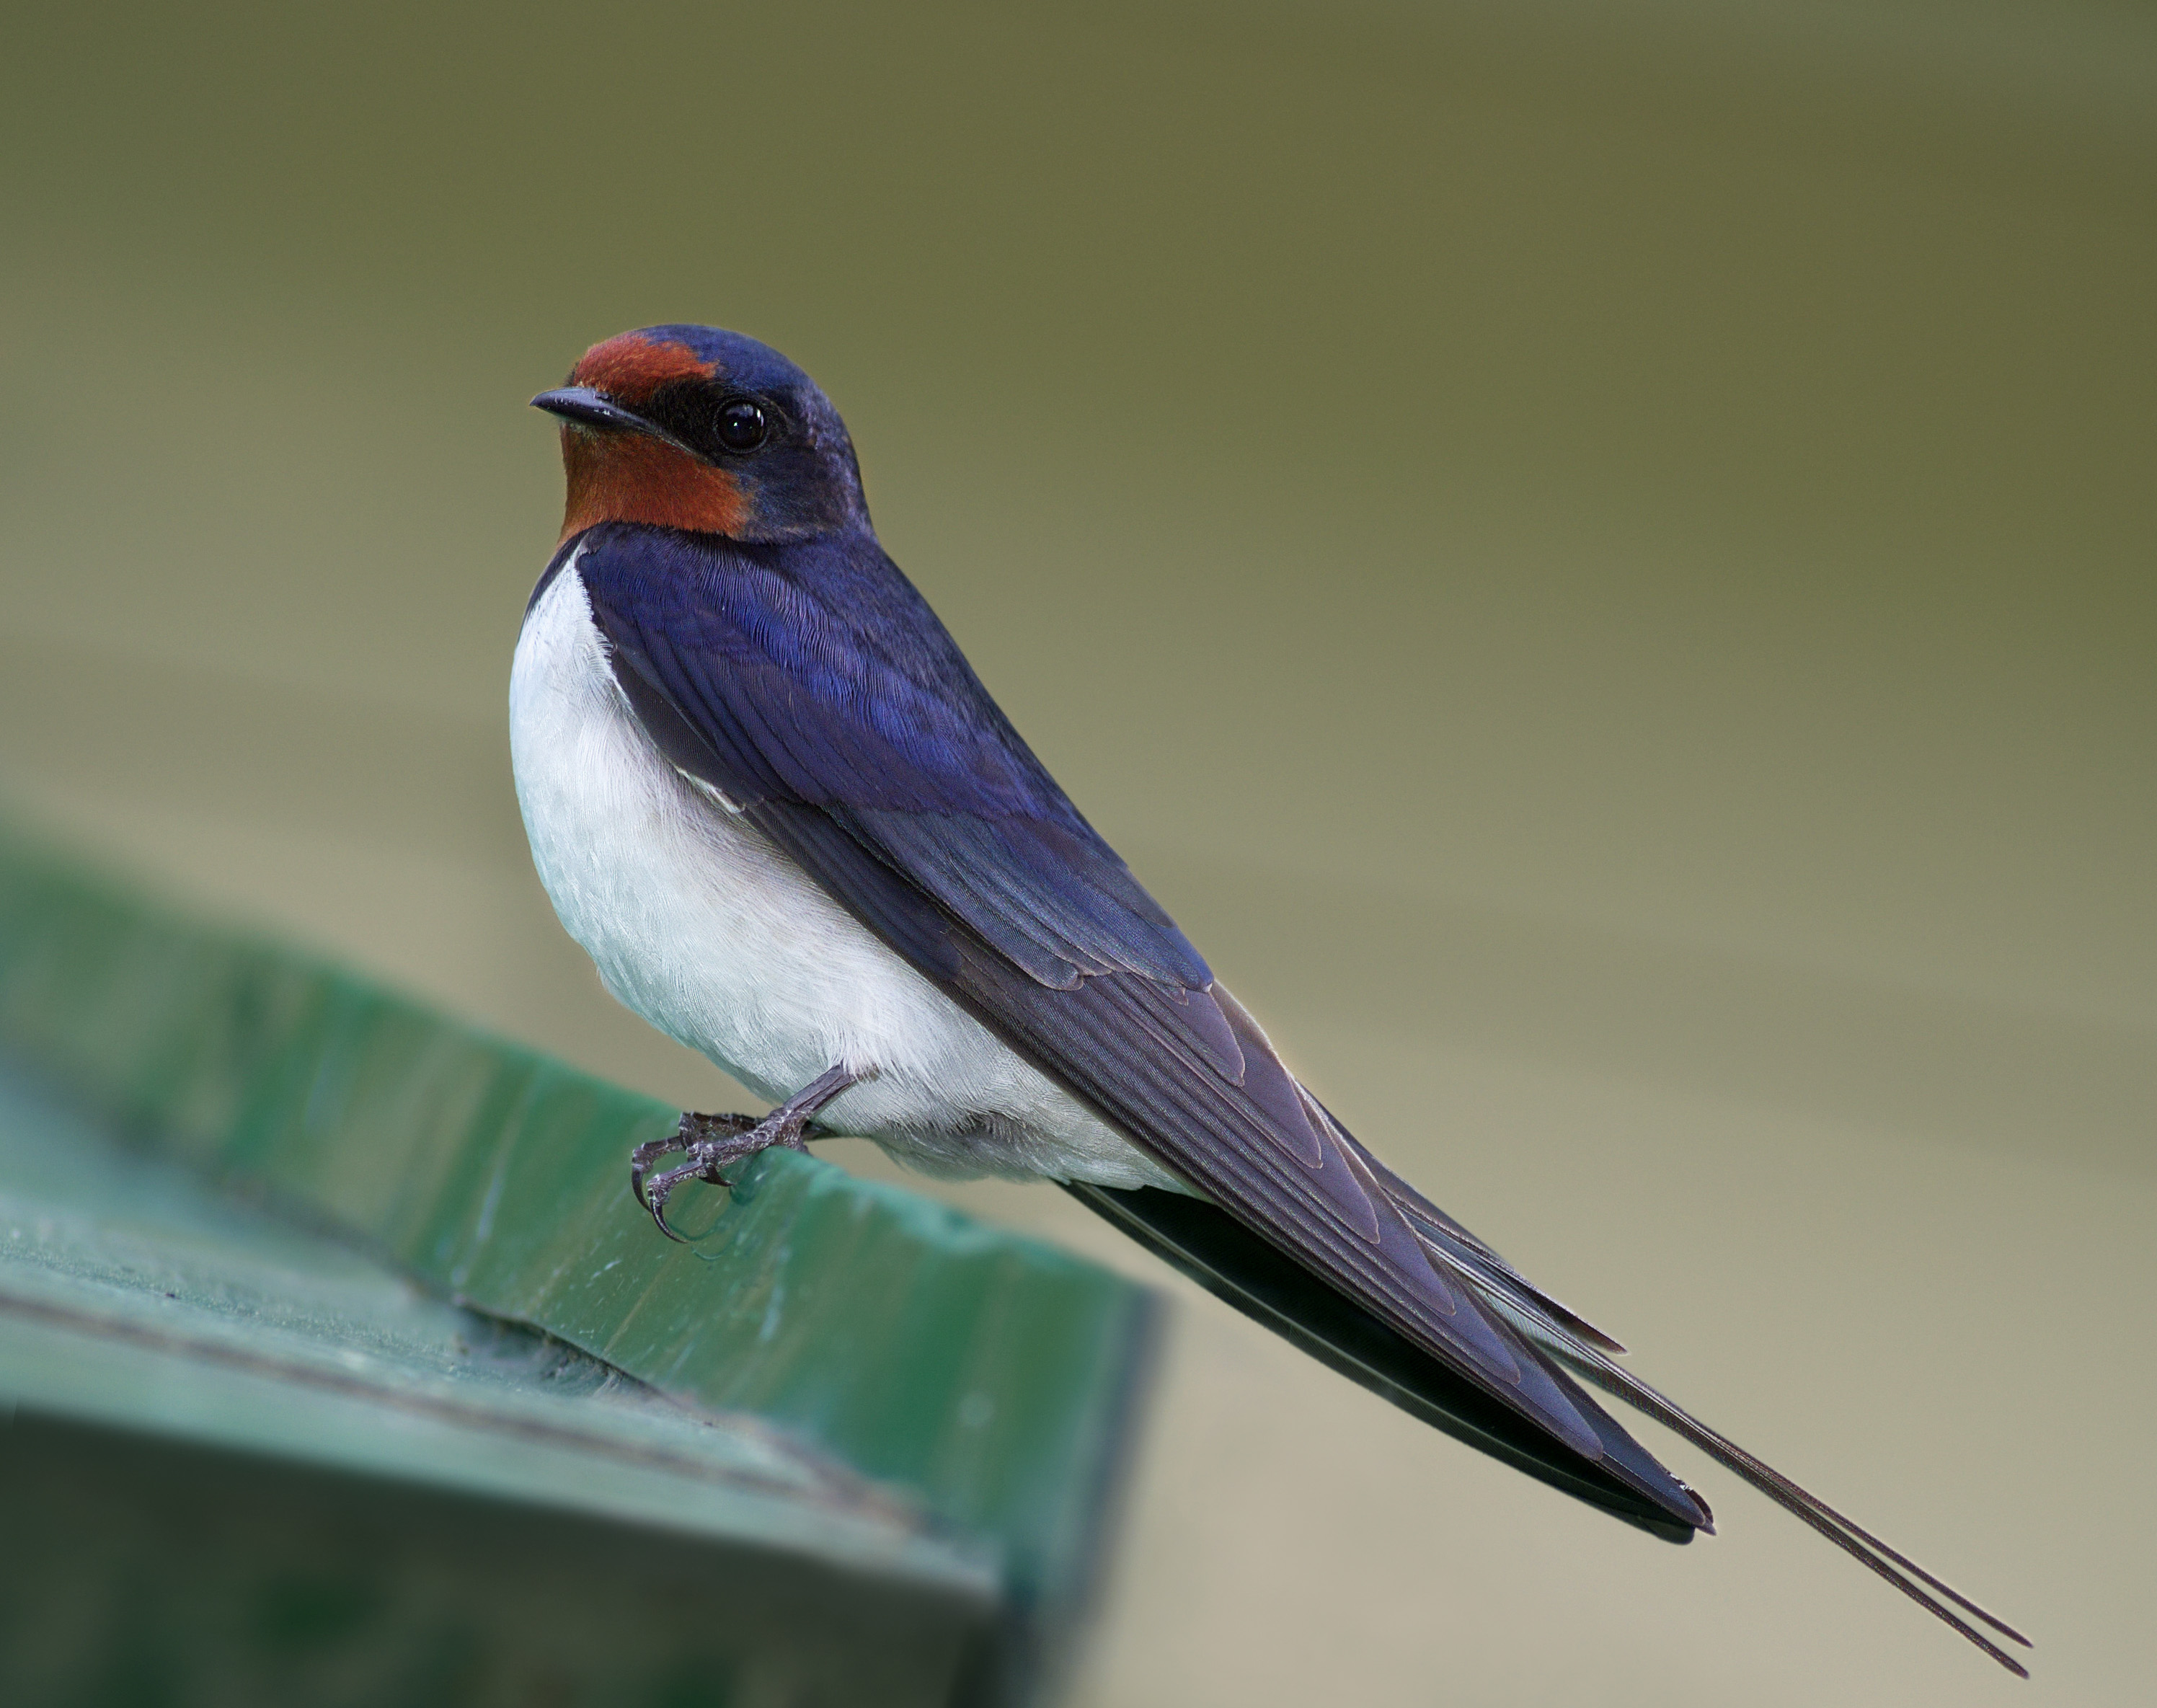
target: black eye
742 426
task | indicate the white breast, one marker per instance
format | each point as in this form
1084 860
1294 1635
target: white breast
697 923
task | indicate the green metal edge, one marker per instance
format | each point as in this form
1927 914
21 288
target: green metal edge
992 1376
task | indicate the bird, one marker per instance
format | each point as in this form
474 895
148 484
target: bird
767 794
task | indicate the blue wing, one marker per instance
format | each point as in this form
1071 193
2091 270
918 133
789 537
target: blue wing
812 685
817 676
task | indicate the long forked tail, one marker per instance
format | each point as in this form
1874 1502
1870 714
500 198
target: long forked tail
1237 1267
1587 1351
1928 1592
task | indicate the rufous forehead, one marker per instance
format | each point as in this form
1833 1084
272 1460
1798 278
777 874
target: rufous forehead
632 367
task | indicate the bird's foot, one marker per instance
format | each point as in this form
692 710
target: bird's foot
709 1143
693 1130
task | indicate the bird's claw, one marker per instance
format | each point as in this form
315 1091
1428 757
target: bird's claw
709 1143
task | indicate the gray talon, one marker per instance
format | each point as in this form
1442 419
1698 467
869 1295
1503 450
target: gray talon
709 1143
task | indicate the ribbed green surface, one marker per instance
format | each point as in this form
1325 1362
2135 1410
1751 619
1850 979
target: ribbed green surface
989 1375
246 1466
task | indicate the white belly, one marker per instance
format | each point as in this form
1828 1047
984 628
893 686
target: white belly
697 923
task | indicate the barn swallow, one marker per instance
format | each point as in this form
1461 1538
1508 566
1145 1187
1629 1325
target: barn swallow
771 800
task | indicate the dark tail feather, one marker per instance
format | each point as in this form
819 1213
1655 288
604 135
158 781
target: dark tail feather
1236 1265
1928 1592
1585 1348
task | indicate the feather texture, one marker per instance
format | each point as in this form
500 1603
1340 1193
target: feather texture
810 687
760 747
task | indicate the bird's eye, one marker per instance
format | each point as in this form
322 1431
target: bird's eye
743 425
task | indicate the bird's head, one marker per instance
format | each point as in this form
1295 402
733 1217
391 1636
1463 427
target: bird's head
694 428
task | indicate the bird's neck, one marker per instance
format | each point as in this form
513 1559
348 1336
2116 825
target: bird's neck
624 477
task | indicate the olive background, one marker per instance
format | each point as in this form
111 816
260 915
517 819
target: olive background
1598 557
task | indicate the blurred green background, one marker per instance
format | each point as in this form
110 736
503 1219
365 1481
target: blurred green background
1598 557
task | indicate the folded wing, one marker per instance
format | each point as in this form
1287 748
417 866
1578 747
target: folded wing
812 689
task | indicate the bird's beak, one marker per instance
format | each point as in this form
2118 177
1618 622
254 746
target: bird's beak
590 409
586 408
